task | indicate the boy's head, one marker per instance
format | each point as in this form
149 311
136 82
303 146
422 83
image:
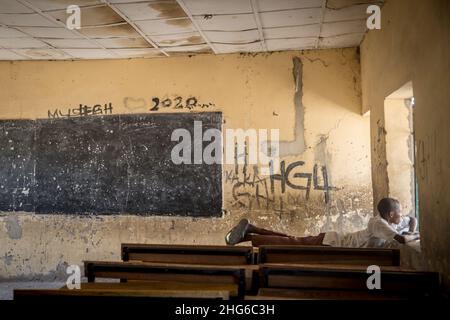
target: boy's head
389 210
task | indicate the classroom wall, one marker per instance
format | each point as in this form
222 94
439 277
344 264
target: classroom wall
320 124
413 45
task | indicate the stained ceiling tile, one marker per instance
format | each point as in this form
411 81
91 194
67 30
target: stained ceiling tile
26 20
249 47
124 43
271 5
9 55
290 44
233 36
290 17
46 5
71 43
227 22
44 54
176 40
11 6
91 16
90 53
11 33
342 41
201 7
19 43
122 30
138 52
339 28
158 27
152 10
311 30
356 12
47 32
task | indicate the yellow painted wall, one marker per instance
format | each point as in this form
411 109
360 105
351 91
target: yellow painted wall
252 91
413 45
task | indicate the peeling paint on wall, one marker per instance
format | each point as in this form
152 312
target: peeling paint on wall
297 146
13 228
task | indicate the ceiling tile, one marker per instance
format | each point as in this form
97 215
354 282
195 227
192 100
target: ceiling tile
347 13
343 41
271 5
47 32
71 43
152 10
249 47
124 43
26 20
19 43
91 16
339 4
311 30
138 53
290 17
232 37
122 30
9 55
12 6
176 40
158 27
6 32
44 54
202 48
338 28
290 44
201 7
128 1
227 22
46 5
89 53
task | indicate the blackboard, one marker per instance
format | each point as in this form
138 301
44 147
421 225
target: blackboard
108 165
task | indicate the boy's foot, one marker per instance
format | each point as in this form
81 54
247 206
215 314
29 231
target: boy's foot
237 234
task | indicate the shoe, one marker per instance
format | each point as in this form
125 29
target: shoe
237 234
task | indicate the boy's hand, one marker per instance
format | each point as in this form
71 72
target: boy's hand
411 237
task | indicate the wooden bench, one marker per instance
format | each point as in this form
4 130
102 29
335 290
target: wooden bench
147 290
197 274
394 280
328 255
188 254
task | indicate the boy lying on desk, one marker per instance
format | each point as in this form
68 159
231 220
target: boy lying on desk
381 232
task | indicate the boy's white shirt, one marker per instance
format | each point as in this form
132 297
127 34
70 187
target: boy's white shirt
379 233
403 225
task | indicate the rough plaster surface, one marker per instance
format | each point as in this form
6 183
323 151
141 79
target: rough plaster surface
252 91
413 45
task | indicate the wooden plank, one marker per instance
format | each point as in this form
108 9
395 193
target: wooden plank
279 293
166 272
189 254
150 293
328 255
354 278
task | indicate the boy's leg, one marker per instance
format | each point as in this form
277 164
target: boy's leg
266 232
260 240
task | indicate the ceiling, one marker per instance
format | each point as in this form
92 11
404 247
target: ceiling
114 29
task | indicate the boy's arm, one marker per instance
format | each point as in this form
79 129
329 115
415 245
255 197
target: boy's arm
412 224
406 238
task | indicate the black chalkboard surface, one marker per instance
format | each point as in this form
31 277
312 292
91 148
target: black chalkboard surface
109 165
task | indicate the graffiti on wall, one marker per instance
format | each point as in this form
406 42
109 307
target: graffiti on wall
81 111
250 188
178 102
